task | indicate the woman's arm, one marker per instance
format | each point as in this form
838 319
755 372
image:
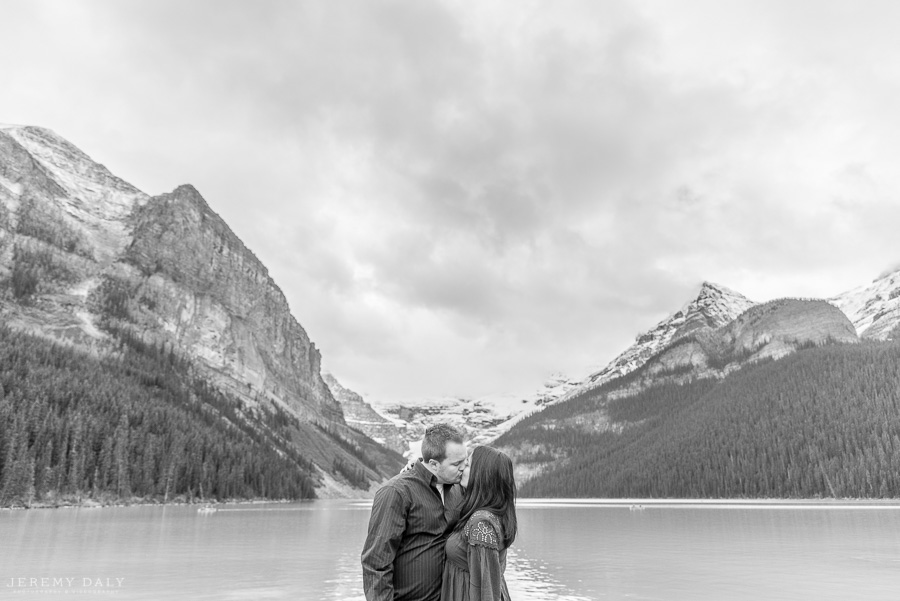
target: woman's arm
485 577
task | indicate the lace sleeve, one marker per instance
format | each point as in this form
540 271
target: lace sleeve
484 529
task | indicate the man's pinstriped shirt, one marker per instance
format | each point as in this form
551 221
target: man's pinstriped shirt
403 557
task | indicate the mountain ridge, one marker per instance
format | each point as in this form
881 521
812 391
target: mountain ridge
487 418
815 423
89 260
86 257
714 306
873 308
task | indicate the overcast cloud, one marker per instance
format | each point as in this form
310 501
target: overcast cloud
465 197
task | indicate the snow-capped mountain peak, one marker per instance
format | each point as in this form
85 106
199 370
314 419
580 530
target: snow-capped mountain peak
714 306
874 309
487 417
90 197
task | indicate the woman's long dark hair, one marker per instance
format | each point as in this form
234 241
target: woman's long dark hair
492 486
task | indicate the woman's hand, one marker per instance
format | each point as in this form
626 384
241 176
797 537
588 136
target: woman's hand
410 465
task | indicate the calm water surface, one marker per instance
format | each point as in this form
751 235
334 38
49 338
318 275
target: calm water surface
566 551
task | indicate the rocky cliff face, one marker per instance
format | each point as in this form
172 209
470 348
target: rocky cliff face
362 416
54 192
83 255
713 334
63 220
482 419
768 330
196 283
774 328
873 311
713 307
720 329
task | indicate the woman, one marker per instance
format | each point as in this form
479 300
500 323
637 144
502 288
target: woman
476 550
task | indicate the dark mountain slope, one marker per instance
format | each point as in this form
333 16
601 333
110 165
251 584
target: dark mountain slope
142 426
823 422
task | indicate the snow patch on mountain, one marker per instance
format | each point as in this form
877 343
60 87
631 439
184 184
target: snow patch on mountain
97 199
478 419
361 415
10 187
714 306
874 309
483 418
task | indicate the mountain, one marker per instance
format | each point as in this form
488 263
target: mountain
716 334
874 309
191 279
694 360
90 261
485 418
713 307
361 415
819 422
769 330
402 425
698 374
481 420
690 343
134 425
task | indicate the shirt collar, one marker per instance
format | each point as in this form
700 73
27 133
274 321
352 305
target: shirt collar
425 474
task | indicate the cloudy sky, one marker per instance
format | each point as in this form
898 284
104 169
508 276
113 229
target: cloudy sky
463 197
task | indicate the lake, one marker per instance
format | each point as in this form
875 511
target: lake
567 551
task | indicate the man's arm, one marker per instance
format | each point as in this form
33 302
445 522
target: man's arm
386 526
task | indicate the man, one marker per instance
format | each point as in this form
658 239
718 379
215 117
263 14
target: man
403 558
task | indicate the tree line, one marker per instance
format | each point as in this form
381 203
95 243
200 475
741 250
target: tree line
822 422
136 424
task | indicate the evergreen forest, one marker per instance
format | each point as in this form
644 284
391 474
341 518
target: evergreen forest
822 422
137 425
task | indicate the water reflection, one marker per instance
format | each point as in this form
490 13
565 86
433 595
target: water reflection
529 580
346 584
566 551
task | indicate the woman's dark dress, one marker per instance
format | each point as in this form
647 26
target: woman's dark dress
476 561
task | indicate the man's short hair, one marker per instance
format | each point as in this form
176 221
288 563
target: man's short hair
434 445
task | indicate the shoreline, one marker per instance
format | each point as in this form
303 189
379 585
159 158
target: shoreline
93 504
560 502
735 502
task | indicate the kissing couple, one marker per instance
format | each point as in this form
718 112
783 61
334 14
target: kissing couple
439 531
